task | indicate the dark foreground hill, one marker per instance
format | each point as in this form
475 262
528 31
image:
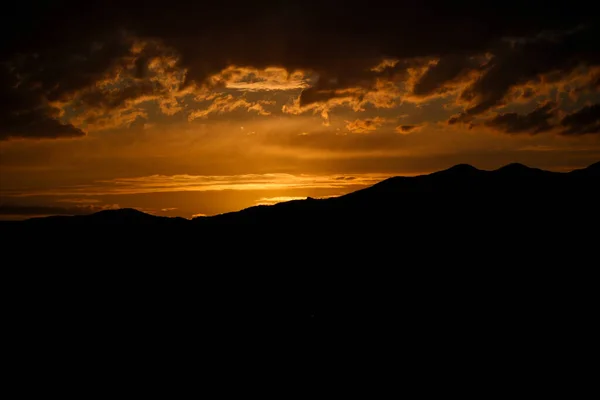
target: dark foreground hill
461 258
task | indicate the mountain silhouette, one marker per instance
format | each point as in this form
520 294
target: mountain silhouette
463 189
504 256
514 205
592 170
123 217
457 184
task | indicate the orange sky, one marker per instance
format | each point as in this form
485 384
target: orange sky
169 143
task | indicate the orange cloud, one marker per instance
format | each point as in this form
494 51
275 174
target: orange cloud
148 72
580 81
384 64
321 108
365 125
228 103
266 79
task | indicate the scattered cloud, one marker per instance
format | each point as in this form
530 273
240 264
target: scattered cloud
228 103
537 121
365 125
448 74
101 86
583 121
533 60
406 129
112 79
265 79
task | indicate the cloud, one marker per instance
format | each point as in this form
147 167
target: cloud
446 74
181 183
33 125
265 79
35 210
147 72
94 86
24 114
537 121
323 108
365 125
99 67
406 129
545 118
583 121
228 103
526 60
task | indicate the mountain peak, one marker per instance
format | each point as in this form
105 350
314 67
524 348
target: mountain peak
460 169
515 168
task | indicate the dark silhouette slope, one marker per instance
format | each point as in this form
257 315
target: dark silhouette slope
508 192
465 256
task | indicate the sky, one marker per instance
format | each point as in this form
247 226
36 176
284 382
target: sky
195 108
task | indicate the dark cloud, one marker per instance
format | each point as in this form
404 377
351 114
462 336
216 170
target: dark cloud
58 51
525 60
595 85
99 83
407 128
25 114
536 121
584 121
449 68
36 126
32 82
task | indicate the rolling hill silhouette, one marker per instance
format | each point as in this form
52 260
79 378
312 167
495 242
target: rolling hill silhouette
462 188
122 216
459 188
505 256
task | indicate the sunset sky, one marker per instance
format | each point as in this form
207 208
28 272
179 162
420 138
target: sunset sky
198 108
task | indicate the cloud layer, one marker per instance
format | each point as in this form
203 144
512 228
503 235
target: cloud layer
199 183
70 69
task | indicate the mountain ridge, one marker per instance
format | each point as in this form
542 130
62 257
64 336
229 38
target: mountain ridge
460 177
